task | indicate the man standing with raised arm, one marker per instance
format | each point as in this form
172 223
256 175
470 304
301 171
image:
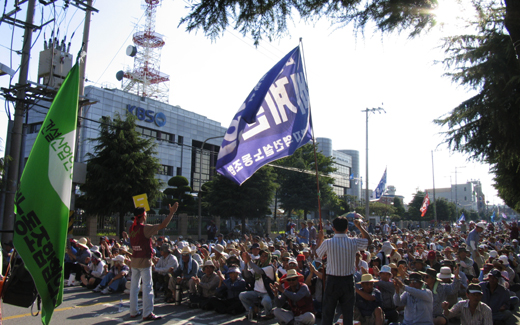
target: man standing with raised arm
341 266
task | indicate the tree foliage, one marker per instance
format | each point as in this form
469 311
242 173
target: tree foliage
180 191
270 18
224 198
486 125
298 189
121 166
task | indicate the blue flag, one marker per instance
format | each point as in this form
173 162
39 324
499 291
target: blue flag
380 189
272 123
462 218
493 216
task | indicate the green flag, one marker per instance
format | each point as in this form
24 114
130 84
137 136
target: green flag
43 197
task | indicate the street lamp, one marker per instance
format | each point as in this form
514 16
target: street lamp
456 193
372 110
200 182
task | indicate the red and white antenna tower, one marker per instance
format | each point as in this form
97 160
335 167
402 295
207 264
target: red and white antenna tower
146 79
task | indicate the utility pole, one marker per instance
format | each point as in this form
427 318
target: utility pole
373 110
434 202
16 135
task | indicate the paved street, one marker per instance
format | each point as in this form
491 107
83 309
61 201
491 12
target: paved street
85 307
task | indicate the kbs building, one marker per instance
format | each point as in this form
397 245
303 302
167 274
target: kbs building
179 133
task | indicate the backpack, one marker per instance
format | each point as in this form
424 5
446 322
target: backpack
19 288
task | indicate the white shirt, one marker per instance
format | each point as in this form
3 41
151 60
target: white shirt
341 254
259 284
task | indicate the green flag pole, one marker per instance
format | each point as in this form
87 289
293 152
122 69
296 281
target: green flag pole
43 199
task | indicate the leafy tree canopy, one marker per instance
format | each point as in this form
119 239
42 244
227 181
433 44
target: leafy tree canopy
298 189
252 199
270 18
180 192
121 166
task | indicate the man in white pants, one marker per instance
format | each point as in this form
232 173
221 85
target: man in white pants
142 254
299 298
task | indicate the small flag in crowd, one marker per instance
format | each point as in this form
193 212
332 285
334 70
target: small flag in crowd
462 217
504 215
425 204
493 216
272 123
380 189
43 199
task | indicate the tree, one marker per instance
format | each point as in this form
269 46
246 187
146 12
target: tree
399 208
269 18
180 192
486 125
298 189
446 211
252 199
121 166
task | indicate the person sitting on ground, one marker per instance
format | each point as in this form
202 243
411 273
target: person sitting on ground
387 289
466 263
78 260
161 270
440 292
369 302
204 287
315 283
299 298
187 269
418 301
94 271
115 280
497 298
226 299
471 311
264 274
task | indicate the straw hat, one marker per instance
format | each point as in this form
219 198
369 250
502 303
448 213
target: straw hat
292 274
186 250
218 248
445 273
83 242
208 263
119 258
366 278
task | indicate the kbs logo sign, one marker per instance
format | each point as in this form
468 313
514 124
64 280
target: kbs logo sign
147 115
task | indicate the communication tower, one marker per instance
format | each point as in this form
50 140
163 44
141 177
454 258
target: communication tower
145 78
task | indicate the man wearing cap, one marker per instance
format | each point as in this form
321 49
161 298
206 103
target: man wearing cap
466 263
387 289
299 298
341 266
204 287
115 280
161 270
418 301
303 235
471 311
473 239
369 302
264 274
79 259
497 298
183 275
220 240
312 231
142 252
226 299
94 271
440 292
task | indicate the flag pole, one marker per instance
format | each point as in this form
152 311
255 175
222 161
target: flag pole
313 141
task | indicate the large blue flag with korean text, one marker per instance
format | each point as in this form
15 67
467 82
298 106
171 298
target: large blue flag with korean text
272 123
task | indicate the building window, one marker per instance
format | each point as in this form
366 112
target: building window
35 128
179 171
165 170
180 139
464 188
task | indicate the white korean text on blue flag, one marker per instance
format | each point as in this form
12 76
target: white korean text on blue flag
380 189
272 123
